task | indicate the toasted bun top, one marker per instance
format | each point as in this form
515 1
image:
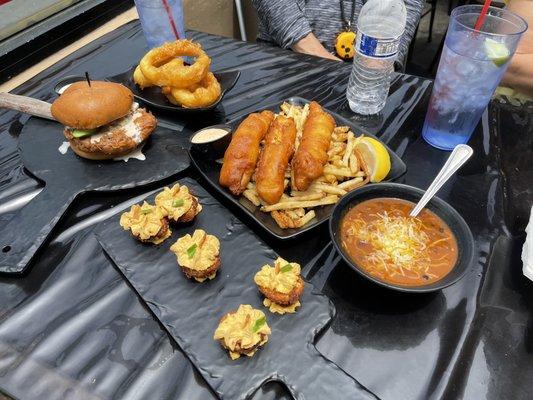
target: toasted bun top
87 107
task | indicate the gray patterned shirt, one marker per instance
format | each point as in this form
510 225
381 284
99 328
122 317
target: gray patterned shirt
284 22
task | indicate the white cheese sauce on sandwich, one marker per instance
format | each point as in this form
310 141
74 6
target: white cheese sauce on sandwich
136 154
64 147
126 123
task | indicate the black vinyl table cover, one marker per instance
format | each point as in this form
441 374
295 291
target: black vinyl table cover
73 328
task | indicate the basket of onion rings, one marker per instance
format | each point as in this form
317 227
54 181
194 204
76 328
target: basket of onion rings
185 85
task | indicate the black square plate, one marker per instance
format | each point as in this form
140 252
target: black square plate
209 168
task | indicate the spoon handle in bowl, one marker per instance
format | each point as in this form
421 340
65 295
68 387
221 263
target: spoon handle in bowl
460 154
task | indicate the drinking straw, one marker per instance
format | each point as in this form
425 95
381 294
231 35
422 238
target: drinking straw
170 18
482 15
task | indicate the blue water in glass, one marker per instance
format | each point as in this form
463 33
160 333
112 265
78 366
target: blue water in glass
155 21
466 80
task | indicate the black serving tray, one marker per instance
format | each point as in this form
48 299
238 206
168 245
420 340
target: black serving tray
190 311
209 168
67 176
153 97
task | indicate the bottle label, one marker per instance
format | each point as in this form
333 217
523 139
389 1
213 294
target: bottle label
376 47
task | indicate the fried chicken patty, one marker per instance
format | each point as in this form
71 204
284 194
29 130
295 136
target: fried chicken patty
284 299
190 214
115 139
202 274
160 234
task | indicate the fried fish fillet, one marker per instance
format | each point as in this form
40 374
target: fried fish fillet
275 156
241 155
311 156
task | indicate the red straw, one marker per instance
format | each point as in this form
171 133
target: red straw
482 15
171 18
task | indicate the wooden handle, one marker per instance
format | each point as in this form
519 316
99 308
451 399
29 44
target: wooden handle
27 105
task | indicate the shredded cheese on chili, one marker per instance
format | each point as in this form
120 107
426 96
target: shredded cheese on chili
399 244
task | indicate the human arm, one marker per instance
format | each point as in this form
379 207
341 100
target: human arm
311 45
284 20
288 27
519 75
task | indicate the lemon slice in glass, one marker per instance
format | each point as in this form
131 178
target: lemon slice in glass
497 52
375 156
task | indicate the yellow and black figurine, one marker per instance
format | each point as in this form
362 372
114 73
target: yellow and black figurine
345 40
344 44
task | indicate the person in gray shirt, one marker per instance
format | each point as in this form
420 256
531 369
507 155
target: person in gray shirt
311 26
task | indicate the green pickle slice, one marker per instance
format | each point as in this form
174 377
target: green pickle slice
81 133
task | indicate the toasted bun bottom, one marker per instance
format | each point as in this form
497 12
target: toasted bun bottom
97 155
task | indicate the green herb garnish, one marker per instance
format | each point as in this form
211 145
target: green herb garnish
146 210
258 324
80 133
286 268
191 251
177 203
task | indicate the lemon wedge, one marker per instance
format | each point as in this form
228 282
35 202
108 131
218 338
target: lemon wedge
497 52
375 156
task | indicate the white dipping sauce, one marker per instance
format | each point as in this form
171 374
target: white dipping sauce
209 135
63 88
64 147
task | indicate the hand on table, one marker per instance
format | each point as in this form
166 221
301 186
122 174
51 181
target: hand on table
311 45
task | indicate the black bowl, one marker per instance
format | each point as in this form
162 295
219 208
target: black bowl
447 213
215 148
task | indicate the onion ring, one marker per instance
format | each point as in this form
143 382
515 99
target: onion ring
140 79
156 66
203 94
144 82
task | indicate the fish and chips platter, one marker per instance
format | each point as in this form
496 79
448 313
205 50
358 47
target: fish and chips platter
298 211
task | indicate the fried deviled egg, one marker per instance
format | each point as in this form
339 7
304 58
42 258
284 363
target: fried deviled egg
147 223
198 255
242 331
281 285
178 204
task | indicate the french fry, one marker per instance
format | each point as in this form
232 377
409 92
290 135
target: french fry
303 196
330 189
252 196
306 218
287 205
351 184
349 149
300 212
353 164
339 172
337 163
295 214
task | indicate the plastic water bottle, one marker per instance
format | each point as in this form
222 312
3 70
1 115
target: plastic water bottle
379 29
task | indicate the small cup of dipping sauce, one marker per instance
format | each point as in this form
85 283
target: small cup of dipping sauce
212 140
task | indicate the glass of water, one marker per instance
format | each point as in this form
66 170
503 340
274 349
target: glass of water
161 20
471 67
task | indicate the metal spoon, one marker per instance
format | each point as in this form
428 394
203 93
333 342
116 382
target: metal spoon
459 156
